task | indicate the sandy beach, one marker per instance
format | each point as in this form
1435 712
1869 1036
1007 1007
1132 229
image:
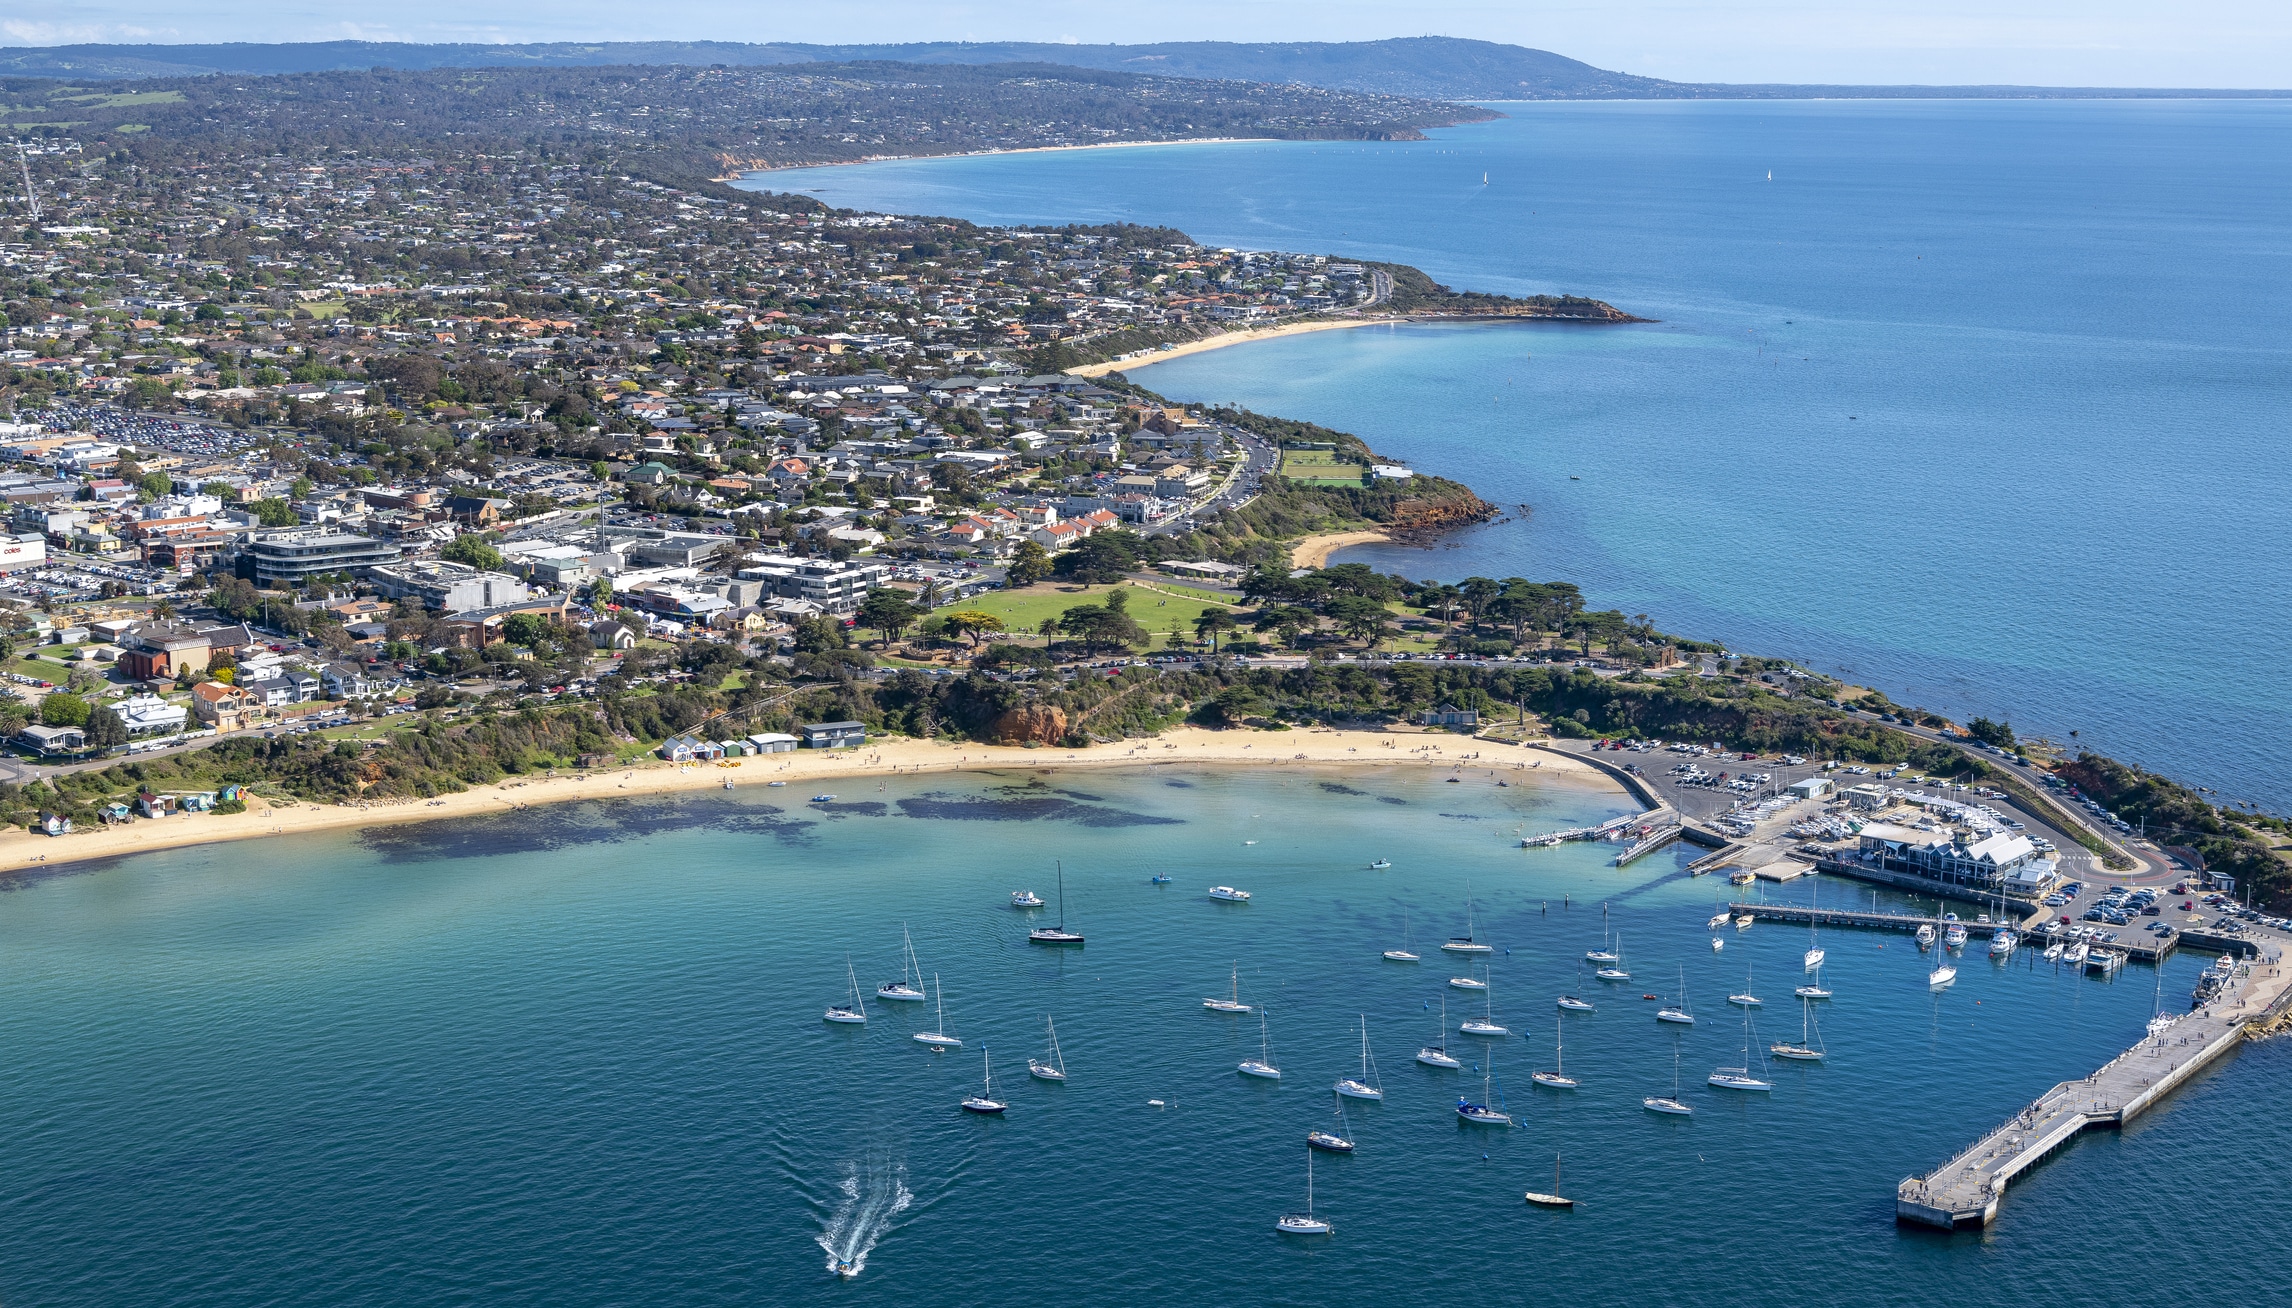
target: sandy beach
1314 551
806 773
1224 339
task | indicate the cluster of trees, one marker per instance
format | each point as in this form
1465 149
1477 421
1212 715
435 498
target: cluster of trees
2173 814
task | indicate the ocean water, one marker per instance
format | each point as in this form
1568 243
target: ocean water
574 1056
1982 403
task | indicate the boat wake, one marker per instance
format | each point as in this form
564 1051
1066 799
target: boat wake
874 1194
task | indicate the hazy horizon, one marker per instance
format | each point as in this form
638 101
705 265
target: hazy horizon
2101 43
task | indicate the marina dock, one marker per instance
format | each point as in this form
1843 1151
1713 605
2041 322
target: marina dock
1964 1193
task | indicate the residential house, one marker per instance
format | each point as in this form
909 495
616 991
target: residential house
53 740
164 651
225 707
834 735
149 715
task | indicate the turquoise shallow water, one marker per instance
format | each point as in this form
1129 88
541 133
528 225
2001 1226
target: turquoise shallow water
574 1056
1979 402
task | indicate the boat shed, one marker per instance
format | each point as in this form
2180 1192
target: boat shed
774 742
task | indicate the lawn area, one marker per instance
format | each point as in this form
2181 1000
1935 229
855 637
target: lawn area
1026 609
1319 467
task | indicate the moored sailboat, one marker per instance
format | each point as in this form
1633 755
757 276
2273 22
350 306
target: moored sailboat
1557 1078
855 1012
908 989
937 1036
1365 1085
1052 1068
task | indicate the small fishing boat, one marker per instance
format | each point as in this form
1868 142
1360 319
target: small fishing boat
1365 1085
823 799
2053 952
1743 922
984 1101
1158 880
1552 1200
1304 1223
908 989
775 783
1954 937
855 1012
1261 1066
2003 943
1381 865
1232 1002
1229 894
1925 935
1026 899
1557 1078
1052 1068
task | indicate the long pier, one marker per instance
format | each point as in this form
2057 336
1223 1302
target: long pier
1964 1192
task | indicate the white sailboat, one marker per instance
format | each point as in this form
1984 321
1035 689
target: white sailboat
984 1101
1740 1078
1339 1141
1052 1068
1717 921
1484 1113
1465 944
1814 950
1305 1223
1466 983
1678 1013
1407 952
1261 1066
1614 969
908 989
1571 1003
1232 1002
855 1012
937 1036
1813 989
1552 1199
1942 975
1674 1105
1366 1085
1603 954
1809 1048
1746 999
1557 1078
1437 1055
1484 1026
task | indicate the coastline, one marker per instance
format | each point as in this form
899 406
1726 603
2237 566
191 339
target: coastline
742 173
1314 551
21 850
1224 339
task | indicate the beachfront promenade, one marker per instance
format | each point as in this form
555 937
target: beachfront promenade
1964 1192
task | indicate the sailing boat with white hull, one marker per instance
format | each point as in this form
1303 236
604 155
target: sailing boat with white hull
1057 935
1809 1048
1437 1055
1052 1068
1366 1085
908 989
855 1012
1557 1078
937 1036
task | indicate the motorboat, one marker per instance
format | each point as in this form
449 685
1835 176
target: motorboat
823 799
1381 865
2003 943
1954 937
1743 922
1158 879
1229 894
1925 935
1026 899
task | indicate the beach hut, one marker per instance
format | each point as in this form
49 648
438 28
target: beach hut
55 824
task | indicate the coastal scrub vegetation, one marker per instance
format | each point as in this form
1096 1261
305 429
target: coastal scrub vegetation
2172 814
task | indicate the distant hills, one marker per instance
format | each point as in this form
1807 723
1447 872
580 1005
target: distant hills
1429 67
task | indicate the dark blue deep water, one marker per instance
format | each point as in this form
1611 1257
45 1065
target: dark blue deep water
1983 403
574 1056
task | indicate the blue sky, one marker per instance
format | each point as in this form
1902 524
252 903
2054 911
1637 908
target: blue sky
2243 43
